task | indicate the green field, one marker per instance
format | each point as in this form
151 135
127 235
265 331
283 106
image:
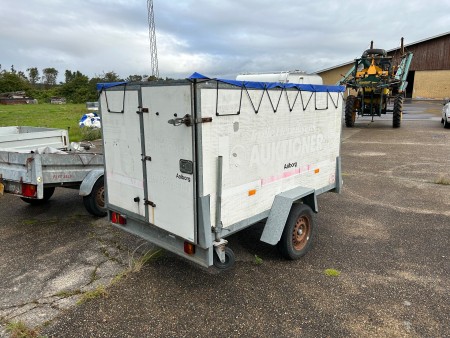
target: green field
63 116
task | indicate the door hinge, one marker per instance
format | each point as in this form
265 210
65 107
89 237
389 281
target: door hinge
142 110
146 158
203 120
147 202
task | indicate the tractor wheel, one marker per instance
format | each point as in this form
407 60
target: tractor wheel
397 111
48 192
350 111
298 232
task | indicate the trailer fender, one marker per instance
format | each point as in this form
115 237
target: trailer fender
280 211
89 181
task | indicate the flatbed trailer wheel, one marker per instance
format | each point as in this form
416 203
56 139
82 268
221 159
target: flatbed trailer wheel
350 111
48 192
397 112
229 260
95 201
298 232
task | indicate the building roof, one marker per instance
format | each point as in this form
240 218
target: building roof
389 51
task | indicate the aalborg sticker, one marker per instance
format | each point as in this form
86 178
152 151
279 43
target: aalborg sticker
182 177
290 165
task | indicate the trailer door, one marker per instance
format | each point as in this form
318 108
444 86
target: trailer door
170 160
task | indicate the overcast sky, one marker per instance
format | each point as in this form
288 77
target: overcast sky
216 38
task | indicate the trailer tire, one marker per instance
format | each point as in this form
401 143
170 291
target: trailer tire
350 111
95 201
298 232
229 260
48 192
397 112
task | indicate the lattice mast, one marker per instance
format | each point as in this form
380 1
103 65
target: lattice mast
152 35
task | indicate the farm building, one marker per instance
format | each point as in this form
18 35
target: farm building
15 98
429 74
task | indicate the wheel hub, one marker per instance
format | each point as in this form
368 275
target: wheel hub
300 235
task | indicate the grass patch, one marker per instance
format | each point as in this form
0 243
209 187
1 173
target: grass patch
332 272
258 260
62 116
90 134
442 180
99 291
68 293
136 264
20 330
30 221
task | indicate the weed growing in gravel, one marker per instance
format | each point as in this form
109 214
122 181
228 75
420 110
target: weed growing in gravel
136 264
68 293
30 221
20 330
442 180
332 272
99 291
258 260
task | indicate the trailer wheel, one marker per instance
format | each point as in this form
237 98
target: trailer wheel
48 192
95 201
350 111
298 232
397 111
229 260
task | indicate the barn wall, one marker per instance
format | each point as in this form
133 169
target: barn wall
432 84
332 76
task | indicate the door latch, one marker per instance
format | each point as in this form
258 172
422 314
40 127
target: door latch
186 120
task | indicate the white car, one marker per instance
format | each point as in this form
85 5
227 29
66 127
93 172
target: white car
446 115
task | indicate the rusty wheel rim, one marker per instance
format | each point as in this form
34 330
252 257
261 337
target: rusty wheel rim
301 233
100 197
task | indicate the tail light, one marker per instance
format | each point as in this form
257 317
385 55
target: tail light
117 218
29 190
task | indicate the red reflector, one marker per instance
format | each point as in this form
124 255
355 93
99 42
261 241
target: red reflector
189 248
29 190
117 218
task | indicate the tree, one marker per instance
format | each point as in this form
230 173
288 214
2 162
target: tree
50 75
12 82
33 75
134 78
77 88
109 77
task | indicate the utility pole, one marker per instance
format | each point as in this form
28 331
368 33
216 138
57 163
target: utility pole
151 32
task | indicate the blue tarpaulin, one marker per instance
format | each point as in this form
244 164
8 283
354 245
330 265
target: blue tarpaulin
249 84
271 85
105 85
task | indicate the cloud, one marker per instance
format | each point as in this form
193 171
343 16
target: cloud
218 38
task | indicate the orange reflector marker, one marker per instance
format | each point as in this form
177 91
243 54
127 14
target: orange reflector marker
252 192
29 190
316 171
189 248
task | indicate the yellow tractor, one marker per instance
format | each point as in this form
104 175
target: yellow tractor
376 80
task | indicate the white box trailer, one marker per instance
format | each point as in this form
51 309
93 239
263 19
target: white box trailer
191 162
293 76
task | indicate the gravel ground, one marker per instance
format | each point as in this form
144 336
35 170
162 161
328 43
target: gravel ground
387 234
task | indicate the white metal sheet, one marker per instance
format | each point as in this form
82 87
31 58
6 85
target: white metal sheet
171 190
122 150
268 152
